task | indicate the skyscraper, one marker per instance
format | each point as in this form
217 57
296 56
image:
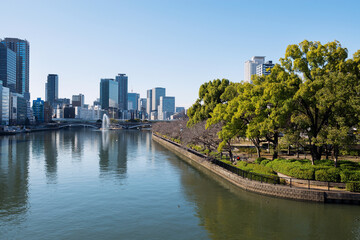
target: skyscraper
21 48
250 67
166 107
52 89
156 94
38 109
149 102
133 99
122 81
109 94
8 67
78 100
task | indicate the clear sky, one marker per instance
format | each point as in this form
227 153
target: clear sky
176 44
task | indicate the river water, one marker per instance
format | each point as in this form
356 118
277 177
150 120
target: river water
86 184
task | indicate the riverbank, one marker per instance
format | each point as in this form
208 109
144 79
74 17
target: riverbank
275 190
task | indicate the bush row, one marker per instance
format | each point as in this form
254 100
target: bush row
322 171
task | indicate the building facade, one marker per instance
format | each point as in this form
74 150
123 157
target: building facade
250 67
264 69
78 100
52 89
109 94
22 50
166 107
149 102
133 99
156 94
122 81
38 110
8 67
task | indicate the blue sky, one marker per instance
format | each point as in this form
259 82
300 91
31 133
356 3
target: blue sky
176 44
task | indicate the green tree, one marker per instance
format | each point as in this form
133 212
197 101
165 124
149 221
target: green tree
209 96
314 64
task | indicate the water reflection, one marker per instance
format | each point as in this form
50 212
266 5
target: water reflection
236 214
113 154
14 164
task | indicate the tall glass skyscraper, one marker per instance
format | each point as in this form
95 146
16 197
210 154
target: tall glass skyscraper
8 67
21 48
52 89
108 93
133 99
122 81
156 94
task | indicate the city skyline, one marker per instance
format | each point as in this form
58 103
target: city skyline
156 45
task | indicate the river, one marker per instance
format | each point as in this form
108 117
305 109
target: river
84 184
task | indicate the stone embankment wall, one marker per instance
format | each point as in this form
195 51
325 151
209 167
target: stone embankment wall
256 186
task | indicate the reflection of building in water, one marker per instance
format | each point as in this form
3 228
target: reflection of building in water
51 154
14 163
113 154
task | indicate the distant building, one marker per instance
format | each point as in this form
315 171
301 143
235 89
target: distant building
21 48
250 67
18 109
69 112
149 102
156 94
264 69
108 93
142 108
78 100
122 81
48 112
166 107
4 104
8 67
133 99
52 89
38 110
179 109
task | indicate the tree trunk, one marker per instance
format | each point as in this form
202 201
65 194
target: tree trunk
289 150
336 155
315 153
275 142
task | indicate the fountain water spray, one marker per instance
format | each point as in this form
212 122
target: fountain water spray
105 123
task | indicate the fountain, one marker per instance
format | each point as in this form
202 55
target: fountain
105 123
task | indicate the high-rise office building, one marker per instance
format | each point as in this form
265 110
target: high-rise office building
156 94
180 109
122 81
166 107
109 91
21 48
264 69
78 100
4 104
52 89
8 67
149 101
38 110
250 67
133 99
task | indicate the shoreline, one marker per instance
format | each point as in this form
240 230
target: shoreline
274 190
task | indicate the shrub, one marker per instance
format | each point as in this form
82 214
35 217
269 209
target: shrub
348 175
259 160
264 162
353 186
328 175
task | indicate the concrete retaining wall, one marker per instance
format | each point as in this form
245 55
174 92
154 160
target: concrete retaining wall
256 186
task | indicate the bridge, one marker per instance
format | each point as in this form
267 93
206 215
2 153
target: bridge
95 126
122 125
